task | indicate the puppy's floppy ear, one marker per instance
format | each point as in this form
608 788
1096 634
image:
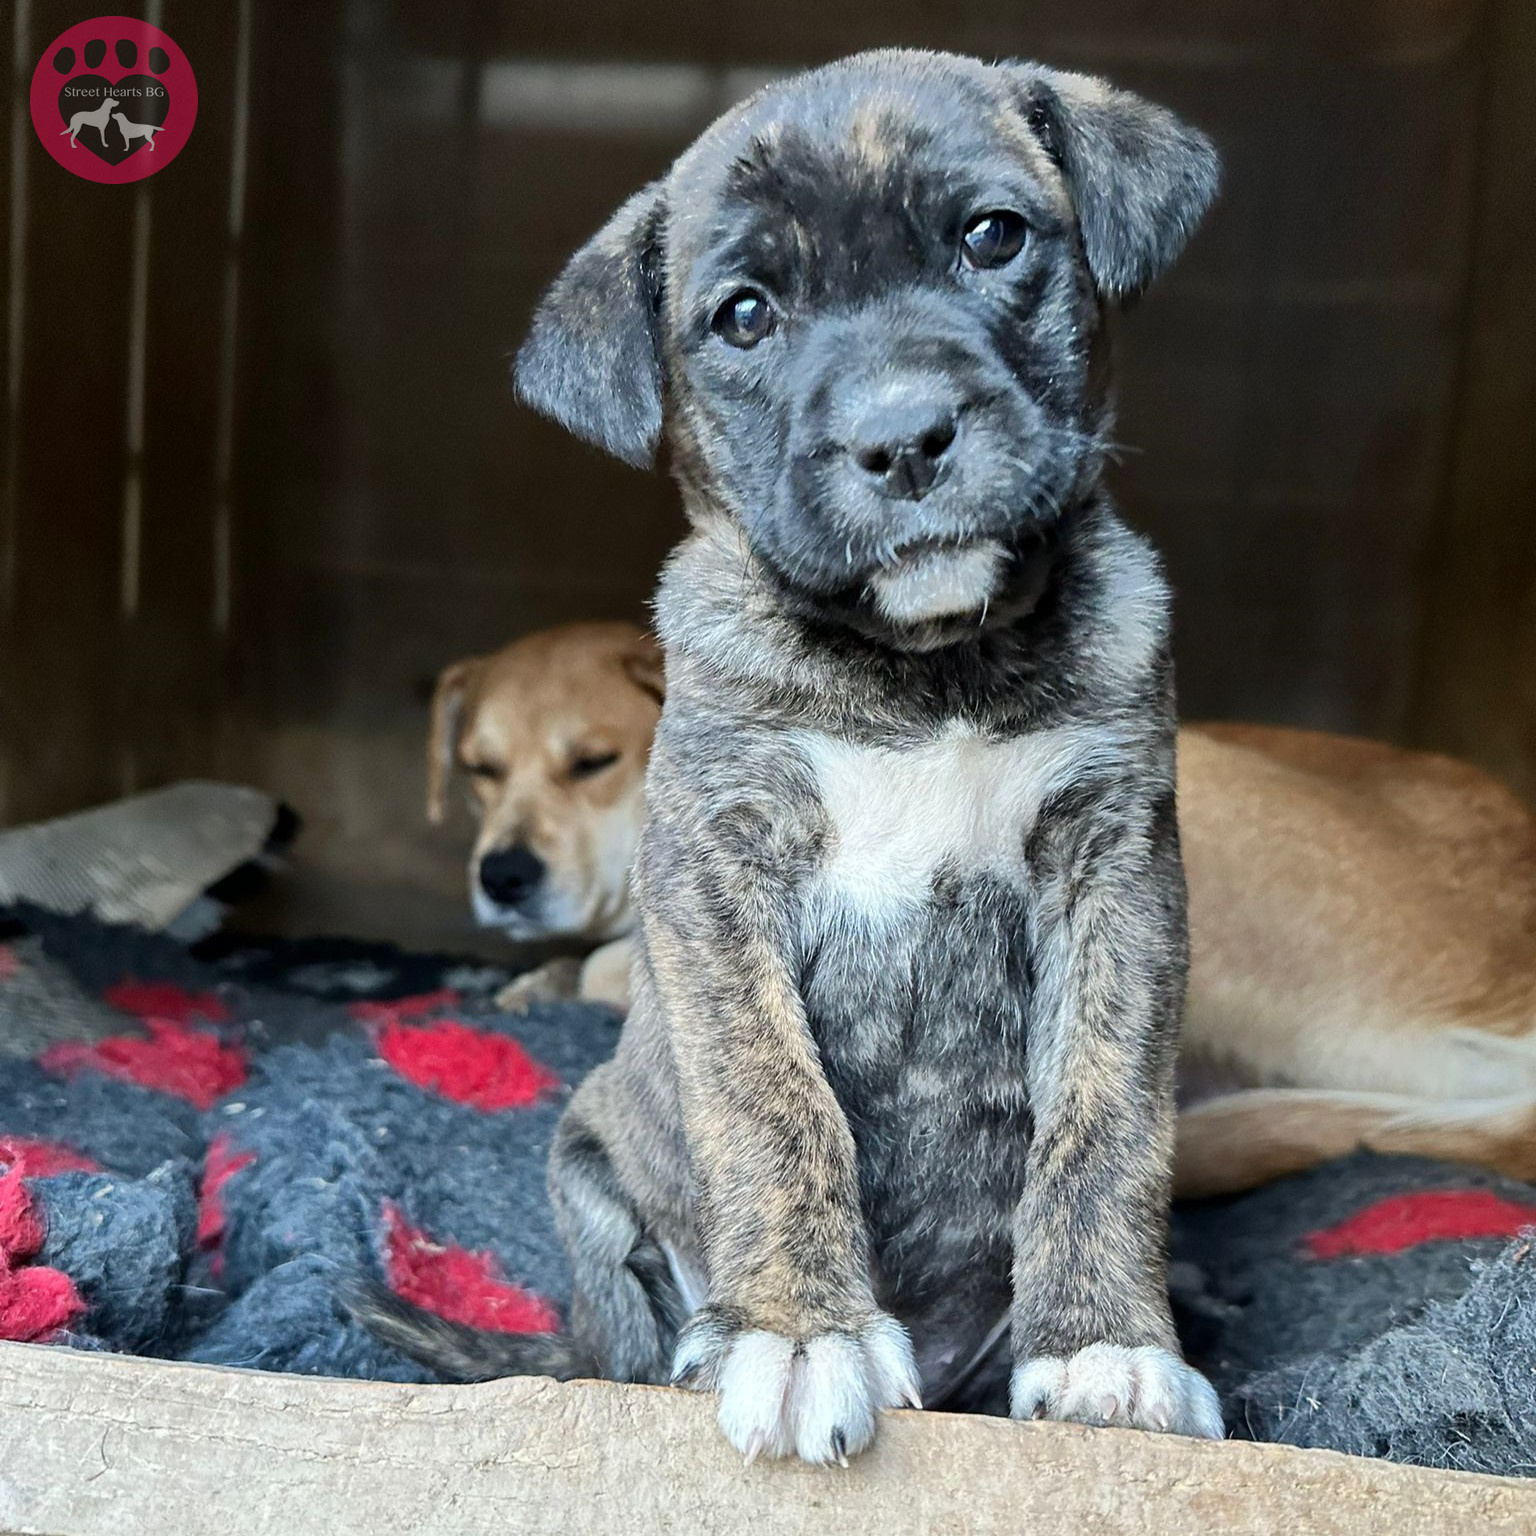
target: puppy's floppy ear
592 360
644 666
443 734
1140 179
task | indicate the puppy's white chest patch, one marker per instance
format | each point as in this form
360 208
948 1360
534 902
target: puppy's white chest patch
958 801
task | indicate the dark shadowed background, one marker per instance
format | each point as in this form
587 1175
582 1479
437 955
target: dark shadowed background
262 475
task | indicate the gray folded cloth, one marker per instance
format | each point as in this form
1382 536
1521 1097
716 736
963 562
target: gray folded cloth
144 861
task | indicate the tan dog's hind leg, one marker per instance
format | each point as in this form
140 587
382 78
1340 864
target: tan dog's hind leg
603 977
1241 1140
556 981
605 974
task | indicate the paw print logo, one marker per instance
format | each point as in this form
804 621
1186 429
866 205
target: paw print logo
113 99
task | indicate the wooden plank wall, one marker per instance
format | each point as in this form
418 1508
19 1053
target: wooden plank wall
112 671
1475 666
1327 407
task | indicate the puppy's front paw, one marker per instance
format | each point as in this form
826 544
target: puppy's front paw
556 981
814 1397
1145 1388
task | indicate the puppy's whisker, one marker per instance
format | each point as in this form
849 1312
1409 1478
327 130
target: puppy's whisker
1096 441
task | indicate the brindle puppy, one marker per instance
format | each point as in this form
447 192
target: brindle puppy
897 1081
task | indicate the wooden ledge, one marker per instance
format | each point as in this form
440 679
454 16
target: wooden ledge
97 1445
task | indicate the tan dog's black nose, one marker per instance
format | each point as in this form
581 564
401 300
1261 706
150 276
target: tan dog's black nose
900 436
510 875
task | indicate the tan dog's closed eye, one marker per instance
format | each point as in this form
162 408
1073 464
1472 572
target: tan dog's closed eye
553 733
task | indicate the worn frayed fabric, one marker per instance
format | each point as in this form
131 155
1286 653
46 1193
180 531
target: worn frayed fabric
124 1243
352 1134
1398 1344
1454 1389
1380 1306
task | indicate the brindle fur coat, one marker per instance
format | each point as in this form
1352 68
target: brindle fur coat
891 1117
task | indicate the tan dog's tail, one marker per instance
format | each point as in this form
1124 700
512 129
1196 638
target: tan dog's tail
1242 1140
458 1352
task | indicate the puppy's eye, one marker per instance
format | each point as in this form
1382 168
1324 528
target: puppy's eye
587 767
993 239
487 771
744 319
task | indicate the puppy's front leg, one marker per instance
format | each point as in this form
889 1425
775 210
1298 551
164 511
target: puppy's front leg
791 1337
1093 1337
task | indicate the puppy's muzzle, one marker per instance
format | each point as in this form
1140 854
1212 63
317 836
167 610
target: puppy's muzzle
900 433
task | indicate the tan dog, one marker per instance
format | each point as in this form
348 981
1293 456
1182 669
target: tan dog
1363 919
553 732
1363 924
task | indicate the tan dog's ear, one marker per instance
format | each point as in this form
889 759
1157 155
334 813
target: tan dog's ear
443 735
645 668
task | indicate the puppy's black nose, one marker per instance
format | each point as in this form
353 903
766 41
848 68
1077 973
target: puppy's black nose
899 437
510 875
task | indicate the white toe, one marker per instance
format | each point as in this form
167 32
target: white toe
832 1409
1173 1398
1037 1386
892 1365
754 1394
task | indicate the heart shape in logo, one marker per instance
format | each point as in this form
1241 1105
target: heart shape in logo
140 107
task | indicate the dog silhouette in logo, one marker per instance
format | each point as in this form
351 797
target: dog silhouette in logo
132 131
96 120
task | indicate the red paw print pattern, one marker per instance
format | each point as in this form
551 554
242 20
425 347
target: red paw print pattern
1425 1216
35 1302
470 1066
460 1284
192 1064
